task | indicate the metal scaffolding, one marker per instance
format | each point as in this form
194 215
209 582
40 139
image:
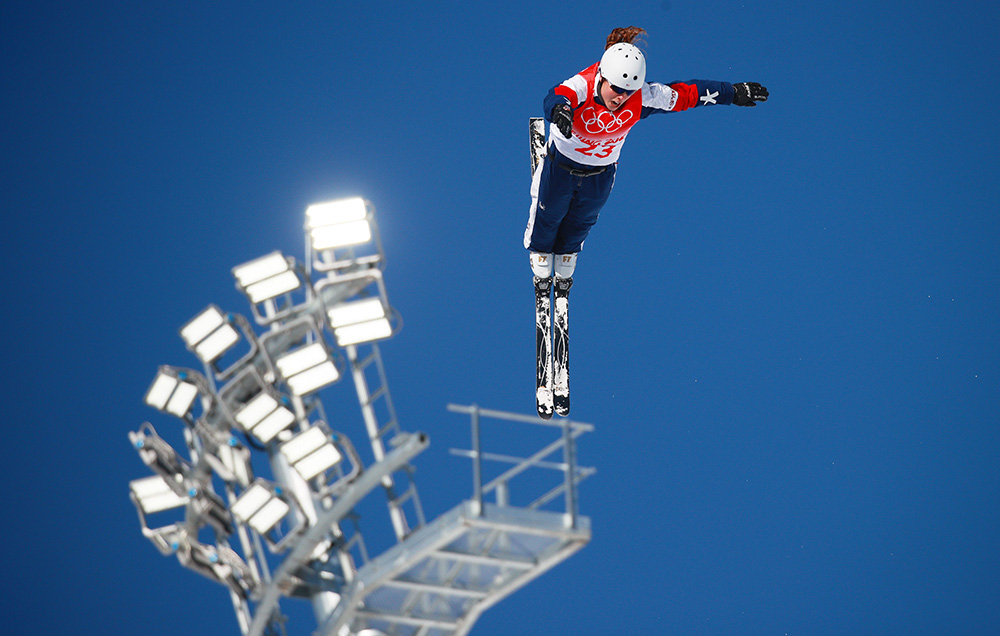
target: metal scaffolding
442 577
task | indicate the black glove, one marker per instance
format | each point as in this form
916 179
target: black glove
749 93
562 117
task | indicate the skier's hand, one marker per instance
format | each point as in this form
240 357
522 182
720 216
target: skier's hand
749 93
562 117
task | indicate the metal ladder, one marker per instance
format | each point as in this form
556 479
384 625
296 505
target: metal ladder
375 400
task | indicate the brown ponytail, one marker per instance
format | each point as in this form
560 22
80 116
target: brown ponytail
624 34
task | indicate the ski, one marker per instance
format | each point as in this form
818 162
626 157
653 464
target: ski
543 340
543 296
560 348
536 139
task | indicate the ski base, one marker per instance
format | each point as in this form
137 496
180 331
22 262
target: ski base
543 338
536 138
561 346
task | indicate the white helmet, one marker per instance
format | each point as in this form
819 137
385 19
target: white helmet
624 66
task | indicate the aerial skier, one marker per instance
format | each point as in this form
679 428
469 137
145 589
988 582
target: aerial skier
590 115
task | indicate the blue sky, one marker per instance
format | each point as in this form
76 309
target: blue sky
784 324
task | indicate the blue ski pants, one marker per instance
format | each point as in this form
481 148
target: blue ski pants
564 204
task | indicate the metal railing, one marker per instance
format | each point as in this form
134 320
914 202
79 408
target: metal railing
572 474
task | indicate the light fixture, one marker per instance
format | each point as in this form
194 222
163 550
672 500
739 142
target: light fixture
154 494
211 510
260 508
307 369
171 394
338 223
310 452
209 334
235 460
359 321
264 417
205 560
167 539
156 453
266 277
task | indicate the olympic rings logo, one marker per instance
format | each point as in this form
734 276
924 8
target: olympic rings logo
605 121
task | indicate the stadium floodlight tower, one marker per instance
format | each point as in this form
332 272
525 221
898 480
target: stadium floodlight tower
286 526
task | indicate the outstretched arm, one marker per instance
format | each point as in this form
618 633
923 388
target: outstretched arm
677 96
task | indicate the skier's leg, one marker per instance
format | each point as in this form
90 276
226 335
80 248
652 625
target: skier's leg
551 194
583 213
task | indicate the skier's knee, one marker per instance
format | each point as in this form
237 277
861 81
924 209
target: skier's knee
541 264
565 265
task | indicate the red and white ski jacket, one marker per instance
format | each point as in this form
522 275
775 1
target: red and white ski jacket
598 133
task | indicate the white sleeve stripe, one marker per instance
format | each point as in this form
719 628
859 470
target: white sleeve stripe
579 86
659 96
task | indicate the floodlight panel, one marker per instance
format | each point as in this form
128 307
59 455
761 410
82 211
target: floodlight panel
149 486
303 444
326 457
301 359
252 500
160 391
333 212
269 288
341 235
233 462
217 343
251 413
270 514
161 502
155 495
260 269
201 325
363 332
356 311
273 424
182 398
314 378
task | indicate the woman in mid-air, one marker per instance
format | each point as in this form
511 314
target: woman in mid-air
591 113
